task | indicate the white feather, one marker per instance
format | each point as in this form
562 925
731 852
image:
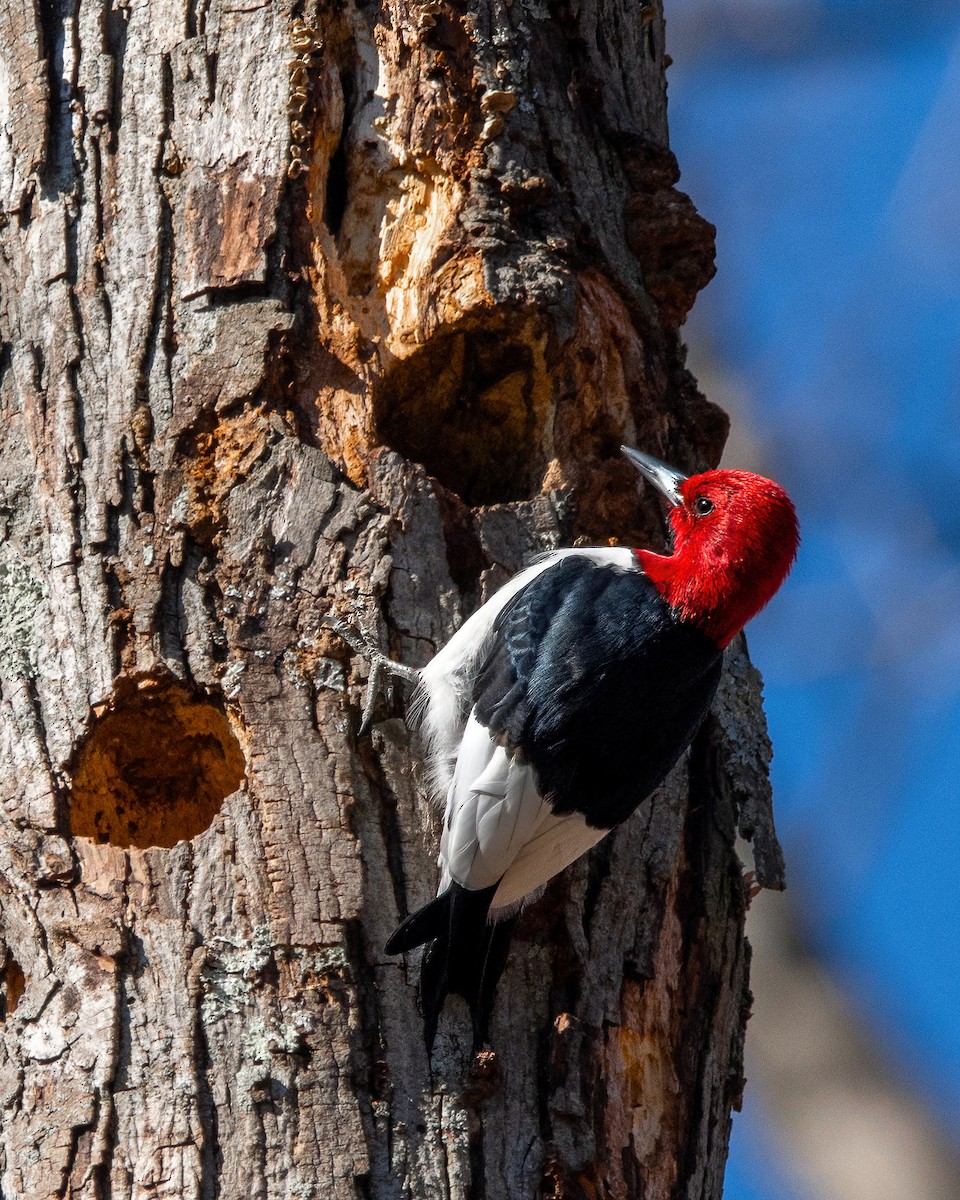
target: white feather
498 827
559 841
492 810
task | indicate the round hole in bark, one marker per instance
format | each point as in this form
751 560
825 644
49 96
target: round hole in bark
470 406
155 766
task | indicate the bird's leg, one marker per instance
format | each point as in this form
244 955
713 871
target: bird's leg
380 667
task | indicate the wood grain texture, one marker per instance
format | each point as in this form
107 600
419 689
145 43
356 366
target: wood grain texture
236 398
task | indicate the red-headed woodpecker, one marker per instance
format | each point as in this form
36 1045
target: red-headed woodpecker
567 698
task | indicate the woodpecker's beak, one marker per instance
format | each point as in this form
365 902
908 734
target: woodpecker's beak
665 479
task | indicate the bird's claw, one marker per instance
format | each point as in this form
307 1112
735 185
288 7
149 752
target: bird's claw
381 667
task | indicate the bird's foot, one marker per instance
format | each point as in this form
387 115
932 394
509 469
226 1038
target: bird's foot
751 887
381 668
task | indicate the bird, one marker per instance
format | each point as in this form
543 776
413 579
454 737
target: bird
566 699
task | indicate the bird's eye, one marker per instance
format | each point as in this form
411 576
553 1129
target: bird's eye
702 506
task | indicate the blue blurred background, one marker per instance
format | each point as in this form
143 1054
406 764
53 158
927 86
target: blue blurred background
822 138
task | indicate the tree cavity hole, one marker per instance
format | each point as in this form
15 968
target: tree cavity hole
470 406
155 766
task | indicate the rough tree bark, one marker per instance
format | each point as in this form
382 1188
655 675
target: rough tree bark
311 310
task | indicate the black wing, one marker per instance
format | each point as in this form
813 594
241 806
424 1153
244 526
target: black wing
597 684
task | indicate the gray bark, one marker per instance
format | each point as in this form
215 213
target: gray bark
333 311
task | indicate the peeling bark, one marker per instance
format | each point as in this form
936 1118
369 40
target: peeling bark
340 309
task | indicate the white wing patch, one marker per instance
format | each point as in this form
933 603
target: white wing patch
497 826
559 841
493 808
445 683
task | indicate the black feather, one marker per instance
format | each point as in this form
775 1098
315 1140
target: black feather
592 677
466 955
424 925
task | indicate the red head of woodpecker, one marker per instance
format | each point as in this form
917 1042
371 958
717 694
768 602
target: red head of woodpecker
566 699
735 537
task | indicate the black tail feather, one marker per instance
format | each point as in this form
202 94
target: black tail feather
496 948
431 921
466 956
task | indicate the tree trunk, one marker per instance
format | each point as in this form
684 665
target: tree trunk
336 310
